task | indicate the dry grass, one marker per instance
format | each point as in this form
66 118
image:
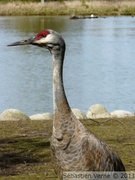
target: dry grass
99 8
18 8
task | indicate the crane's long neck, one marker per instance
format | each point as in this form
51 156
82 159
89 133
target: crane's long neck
62 110
61 105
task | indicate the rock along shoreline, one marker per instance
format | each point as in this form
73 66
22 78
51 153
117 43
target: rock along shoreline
94 112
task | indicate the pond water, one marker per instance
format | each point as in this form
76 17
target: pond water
99 63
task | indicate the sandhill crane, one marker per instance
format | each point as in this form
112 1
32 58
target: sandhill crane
73 147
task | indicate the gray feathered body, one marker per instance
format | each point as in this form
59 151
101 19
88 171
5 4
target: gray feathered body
80 150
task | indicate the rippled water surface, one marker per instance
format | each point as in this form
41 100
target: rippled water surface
99 64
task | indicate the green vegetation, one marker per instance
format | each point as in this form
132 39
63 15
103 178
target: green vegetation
25 146
25 150
99 8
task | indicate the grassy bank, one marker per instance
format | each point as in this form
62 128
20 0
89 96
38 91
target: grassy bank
25 146
99 8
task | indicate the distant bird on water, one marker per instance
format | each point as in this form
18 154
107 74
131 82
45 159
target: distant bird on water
73 147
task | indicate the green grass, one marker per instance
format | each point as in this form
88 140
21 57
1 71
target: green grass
25 146
99 8
25 150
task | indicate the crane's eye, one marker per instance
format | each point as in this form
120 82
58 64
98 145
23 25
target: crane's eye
43 35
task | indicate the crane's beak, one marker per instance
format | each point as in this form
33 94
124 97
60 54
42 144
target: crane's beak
23 42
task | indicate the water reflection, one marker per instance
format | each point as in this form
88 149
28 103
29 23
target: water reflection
99 63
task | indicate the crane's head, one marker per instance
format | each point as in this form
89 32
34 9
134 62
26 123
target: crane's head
48 38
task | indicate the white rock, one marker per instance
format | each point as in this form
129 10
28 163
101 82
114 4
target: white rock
13 115
121 114
79 114
97 111
43 116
